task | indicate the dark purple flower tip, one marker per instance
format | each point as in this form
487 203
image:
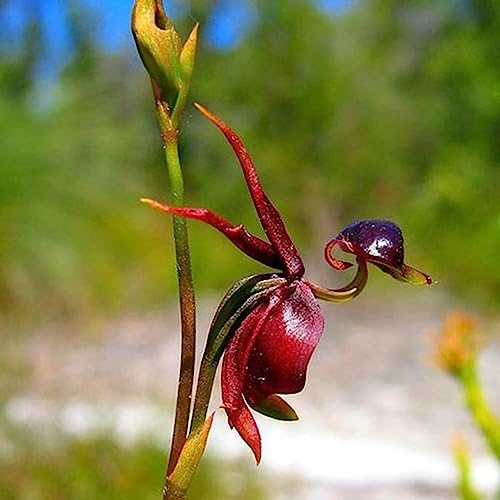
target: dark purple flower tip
379 242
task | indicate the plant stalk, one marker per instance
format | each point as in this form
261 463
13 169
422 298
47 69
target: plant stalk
479 409
465 487
188 319
169 133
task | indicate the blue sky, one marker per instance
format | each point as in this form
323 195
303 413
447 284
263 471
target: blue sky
228 24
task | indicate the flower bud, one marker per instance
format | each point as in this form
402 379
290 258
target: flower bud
458 343
169 64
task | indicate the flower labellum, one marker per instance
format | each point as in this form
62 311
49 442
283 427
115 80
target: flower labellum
379 242
269 326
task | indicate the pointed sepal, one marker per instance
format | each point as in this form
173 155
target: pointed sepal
269 217
249 244
273 406
188 55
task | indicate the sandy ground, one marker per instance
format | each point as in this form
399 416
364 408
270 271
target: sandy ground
376 417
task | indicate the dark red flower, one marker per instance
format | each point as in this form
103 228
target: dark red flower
269 355
273 340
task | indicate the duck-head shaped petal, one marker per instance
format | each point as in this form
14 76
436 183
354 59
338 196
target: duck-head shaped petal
379 242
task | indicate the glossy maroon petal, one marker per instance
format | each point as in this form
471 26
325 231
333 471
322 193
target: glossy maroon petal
379 242
234 369
271 220
269 354
283 349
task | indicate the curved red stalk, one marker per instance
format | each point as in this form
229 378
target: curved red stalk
270 219
338 265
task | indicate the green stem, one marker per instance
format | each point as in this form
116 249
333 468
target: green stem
187 311
486 421
169 132
466 490
179 106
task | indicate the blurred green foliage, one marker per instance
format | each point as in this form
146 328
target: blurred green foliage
98 468
391 110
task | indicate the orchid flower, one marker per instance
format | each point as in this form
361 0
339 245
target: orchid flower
274 324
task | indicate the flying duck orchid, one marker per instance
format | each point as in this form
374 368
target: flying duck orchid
268 326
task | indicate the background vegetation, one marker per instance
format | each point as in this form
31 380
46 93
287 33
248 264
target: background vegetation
387 109
96 467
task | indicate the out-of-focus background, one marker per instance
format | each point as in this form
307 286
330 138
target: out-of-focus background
351 109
